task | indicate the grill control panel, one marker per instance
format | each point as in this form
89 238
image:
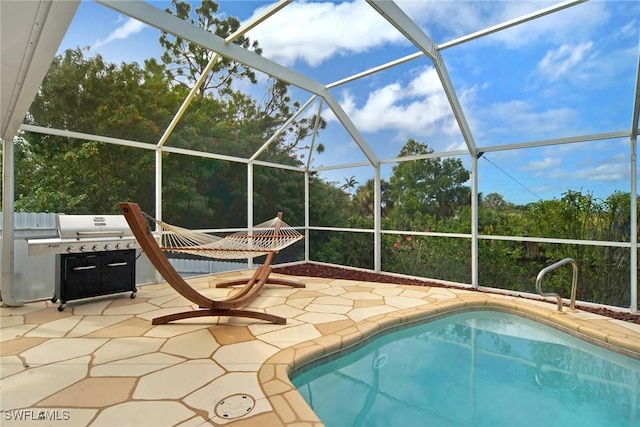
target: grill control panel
80 247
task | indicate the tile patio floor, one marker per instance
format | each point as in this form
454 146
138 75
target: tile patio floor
102 363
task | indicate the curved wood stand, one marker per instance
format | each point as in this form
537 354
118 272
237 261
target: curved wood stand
208 307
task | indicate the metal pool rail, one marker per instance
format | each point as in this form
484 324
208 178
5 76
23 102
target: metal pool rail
574 281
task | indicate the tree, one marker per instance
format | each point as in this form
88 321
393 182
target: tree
136 103
425 188
349 184
603 272
187 61
252 121
364 199
88 95
495 201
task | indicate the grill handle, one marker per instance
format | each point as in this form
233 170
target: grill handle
100 233
117 264
87 267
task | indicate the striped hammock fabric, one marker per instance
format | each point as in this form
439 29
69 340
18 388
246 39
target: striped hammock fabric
268 237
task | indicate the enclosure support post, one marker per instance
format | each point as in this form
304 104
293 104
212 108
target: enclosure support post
158 183
306 216
250 205
634 226
635 124
377 241
158 192
7 283
474 221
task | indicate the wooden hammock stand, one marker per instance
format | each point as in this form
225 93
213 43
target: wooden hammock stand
208 307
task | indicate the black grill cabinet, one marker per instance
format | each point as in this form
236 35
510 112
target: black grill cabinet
88 275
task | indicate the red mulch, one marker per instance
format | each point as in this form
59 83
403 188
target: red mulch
319 270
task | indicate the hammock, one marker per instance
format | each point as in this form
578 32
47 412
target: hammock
268 237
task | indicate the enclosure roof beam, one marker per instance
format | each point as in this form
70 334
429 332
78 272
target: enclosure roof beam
283 128
313 136
343 117
511 23
214 59
459 40
396 17
146 146
157 18
31 33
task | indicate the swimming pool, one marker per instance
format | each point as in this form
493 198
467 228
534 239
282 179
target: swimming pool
479 368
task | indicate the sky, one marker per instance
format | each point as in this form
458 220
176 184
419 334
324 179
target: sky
567 74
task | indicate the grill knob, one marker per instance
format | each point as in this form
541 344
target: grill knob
70 249
130 245
107 247
83 248
95 247
118 246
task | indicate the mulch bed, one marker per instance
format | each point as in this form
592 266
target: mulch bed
319 270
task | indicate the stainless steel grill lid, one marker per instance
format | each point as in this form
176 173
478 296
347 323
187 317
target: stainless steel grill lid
86 233
89 226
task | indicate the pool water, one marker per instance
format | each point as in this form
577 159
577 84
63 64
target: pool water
479 368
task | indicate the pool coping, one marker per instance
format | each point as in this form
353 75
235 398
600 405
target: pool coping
291 408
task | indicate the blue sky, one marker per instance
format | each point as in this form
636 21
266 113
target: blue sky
569 73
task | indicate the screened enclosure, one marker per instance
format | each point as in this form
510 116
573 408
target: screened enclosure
470 142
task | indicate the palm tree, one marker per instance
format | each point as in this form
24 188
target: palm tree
349 184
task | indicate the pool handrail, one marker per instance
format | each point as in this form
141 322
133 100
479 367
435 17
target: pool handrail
574 282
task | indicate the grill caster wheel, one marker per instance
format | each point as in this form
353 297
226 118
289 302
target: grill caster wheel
133 295
61 307
54 299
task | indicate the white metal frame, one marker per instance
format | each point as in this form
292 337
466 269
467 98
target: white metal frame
61 13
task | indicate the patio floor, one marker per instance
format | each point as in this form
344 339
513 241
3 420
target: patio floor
101 362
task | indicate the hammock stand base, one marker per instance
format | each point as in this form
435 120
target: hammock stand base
207 307
270 281
278 320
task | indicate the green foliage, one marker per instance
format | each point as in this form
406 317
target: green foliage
506 265
354 249
432 257
64 175
278 190
603 274
186 61
133 102
241 119
364 199
427 188
328 205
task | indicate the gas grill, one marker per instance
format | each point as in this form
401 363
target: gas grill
95 255
85 234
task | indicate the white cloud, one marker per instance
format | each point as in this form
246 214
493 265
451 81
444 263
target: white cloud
576 22
519 117
314 32
604 173
604 170
545 163
561 62
420 106
627 31
130 27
